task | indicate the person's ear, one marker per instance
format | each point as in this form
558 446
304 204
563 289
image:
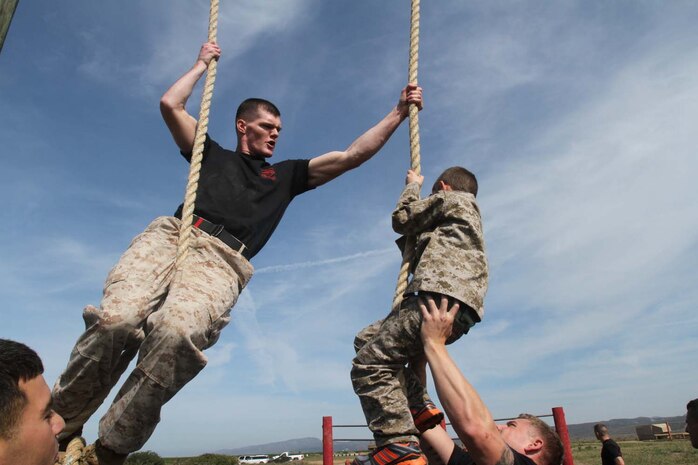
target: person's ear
445 187
241 126
533 447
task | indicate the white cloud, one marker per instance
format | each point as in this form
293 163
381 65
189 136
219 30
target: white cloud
167 39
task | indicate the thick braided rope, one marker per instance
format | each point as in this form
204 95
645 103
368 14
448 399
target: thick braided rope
408 253
78 454
198 150
73 453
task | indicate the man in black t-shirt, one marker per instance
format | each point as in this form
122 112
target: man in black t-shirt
525 440
166 316
610 450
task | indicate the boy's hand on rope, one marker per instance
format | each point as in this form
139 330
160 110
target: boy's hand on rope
209 51
411 94
414 177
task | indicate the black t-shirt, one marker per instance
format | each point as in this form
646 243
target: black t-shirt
461 457
609 451
247 195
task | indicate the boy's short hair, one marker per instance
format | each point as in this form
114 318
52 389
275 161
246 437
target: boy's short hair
17 363
553 451
459 178
250 108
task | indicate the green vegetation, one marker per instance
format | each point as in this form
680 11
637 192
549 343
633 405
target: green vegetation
678 452
206 459
145 458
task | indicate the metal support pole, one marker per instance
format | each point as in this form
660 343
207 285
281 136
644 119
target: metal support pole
327 444
561 428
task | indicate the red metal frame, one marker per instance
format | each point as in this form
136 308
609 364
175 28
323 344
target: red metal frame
558 418
562 431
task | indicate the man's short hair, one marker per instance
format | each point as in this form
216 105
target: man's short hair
600 429
251 107
460 179
692 409
17 363
552 451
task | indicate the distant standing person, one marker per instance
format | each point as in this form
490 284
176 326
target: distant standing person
610 450
692 422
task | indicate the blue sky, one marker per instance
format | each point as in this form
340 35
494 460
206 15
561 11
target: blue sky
577 117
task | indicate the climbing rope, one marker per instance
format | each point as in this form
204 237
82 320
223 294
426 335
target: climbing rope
198 150
78 454
408 252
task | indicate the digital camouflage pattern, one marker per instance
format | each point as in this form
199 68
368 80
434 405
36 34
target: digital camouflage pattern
414 390
168 318
450 247
386 388
383 350
450 260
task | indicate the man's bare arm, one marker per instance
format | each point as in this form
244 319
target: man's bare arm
470 418
440 442
181 124
332 164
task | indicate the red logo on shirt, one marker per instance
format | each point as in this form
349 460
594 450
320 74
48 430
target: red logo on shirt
268 173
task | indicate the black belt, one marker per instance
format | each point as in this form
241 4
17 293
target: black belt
217 230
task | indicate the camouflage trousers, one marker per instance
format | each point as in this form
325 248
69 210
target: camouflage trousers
167 317
385 386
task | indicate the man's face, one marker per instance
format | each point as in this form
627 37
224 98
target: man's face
258 134
34 442
692 429
519 434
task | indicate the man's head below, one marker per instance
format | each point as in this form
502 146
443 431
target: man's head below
601 432
257 124
28 424
531 436
692 422
456 178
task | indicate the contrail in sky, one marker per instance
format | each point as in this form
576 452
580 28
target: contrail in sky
346 258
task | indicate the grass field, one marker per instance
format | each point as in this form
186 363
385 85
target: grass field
678 452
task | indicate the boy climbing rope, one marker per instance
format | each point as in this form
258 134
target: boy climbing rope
449 261
167 316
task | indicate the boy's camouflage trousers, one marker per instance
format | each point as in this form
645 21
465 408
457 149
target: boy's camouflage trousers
384 385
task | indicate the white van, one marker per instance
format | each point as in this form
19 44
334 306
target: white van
253 459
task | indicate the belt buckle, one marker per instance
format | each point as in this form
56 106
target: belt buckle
217 230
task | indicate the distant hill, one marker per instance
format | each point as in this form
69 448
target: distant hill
302 445
291 445
623 428
619 428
